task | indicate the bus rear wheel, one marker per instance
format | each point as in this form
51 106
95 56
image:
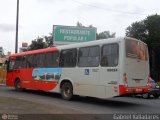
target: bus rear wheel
67 91
145 95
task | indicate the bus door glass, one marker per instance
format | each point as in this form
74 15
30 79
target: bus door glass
10 68
88 72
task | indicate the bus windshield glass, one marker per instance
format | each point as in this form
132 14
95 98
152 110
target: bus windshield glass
10 65
136 49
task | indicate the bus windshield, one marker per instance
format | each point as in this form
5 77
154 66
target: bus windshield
10 65
136 49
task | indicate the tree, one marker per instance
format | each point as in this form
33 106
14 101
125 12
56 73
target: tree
101 35
79 24
37 44
49 40
148 30
105 34
137 30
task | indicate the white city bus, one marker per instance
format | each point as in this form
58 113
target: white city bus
102 68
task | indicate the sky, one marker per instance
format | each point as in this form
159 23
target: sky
37 17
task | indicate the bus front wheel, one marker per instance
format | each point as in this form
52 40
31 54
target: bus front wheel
18 85
67 91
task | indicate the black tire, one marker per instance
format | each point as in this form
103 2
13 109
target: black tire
146 95
156 96
18 85
133 95
67 91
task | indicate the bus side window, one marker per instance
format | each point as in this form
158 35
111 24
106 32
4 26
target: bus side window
17 64
23 63
109 55
42 60
11 65
29 61
104 61
89 56
52 59
34 61
68 58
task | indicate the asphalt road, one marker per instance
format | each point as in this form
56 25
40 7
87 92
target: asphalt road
53 103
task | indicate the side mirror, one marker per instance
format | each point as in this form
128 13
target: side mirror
7 64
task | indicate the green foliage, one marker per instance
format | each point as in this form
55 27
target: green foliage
105 34
153 27
148 30
37 44
137 30
101 35
49 40
79 24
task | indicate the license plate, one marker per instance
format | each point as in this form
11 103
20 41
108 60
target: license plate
138 90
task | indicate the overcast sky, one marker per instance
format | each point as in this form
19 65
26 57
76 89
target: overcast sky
37 17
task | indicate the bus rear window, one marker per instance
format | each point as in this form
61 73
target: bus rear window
136 49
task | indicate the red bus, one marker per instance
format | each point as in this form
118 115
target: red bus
102 69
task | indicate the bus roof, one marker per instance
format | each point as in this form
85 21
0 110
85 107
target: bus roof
34 52
74 45
96 42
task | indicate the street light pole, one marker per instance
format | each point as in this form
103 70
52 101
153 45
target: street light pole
17 16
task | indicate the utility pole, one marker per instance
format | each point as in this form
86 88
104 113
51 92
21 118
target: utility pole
17 16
